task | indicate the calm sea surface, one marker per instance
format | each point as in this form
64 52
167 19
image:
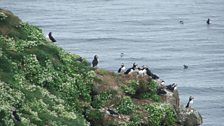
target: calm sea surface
148 32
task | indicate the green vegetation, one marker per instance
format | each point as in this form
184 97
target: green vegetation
160 114
126 105
141 89
46 86
40 80
100 99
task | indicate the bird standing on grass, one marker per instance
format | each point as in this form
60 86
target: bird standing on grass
51 37
15 116
95 61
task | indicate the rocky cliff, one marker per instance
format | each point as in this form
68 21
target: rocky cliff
42 84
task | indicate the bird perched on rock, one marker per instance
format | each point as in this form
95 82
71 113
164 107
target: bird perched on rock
162 82
161 91
121 69
51 37
95 61
190 102
149 73
172 87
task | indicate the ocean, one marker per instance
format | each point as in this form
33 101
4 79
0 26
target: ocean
147 32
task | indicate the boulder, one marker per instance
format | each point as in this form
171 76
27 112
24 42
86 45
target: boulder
189 117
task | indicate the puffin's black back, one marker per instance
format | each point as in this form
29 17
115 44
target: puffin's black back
95 61
51 37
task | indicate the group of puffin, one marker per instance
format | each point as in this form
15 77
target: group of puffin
141 71
145 71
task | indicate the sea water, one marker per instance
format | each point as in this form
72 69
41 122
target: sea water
147 32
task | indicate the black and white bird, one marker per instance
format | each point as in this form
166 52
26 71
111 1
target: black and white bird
131 70
208 21
149 73
162 82
185 66
51 37
190 102
172 87
121 69
15 116
161 91
95 61
142 71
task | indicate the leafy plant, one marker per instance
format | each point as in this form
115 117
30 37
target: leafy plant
101 98
160 114
136 119
3 16
141 89
126 105
131 87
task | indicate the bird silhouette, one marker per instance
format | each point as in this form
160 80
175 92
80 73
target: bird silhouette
185 66
51 37
95 61
16 116
208 21
121 69
190 102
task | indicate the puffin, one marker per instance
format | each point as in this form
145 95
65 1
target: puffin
51 37
181 22
95 61
163 82
190 102
161 91
185 66
149 73
15 116
131 70
172 87
208 21
142 71
121 69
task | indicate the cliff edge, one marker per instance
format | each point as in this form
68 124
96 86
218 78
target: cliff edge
42 84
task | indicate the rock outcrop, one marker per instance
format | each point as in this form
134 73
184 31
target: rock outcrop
185 117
